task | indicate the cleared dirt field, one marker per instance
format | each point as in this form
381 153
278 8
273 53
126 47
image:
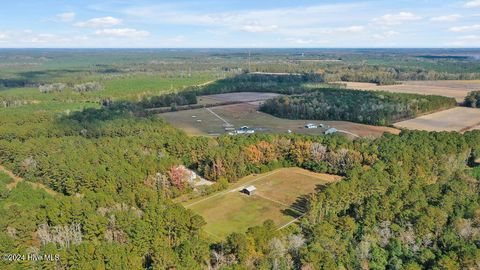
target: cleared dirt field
456 89
247 114
277 192
457 119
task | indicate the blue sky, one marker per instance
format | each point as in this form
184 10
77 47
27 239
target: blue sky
246 23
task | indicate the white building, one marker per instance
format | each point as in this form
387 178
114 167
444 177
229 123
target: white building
331 131
250 190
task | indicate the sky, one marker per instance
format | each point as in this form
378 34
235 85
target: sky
239 24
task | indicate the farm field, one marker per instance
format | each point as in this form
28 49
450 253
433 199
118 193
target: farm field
456 89
457 119
276 196
242 96
203 122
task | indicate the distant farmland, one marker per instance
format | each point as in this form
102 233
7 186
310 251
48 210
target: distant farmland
457 119
278 197
456 89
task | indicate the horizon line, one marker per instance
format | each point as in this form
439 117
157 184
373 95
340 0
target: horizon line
234 48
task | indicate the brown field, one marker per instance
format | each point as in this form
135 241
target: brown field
276 199
246 114
458 119
456 89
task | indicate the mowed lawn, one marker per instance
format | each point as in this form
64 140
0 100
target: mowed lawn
288 185
232 211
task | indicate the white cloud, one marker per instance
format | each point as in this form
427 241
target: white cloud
123 32
176 40
258 28
467 28
305 42
99 22
66 16
471 4
348 29
43 38
396 19
312 31
466 41
3 36
385 35
446 18
261 20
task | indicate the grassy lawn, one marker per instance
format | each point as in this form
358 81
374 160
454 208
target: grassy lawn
232 211
286 186
236 212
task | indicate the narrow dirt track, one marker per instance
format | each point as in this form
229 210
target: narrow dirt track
17 179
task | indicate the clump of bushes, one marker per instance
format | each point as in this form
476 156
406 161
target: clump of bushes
54 87
87 87
473 99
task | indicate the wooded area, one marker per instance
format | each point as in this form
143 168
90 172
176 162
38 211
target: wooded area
408 201
115 169
369 107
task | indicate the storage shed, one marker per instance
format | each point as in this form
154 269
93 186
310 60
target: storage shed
250 190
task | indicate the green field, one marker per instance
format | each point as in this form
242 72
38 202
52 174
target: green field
276 199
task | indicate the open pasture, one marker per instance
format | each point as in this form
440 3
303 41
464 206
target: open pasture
458 119
203 122
277 198
456 89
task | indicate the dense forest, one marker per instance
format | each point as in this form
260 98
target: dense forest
101 176
369 107
113 174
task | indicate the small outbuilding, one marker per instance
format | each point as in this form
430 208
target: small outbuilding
250 190
311 126
331 131
244 130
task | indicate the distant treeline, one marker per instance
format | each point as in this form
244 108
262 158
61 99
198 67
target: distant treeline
389 75
368 107
171 100
282 84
